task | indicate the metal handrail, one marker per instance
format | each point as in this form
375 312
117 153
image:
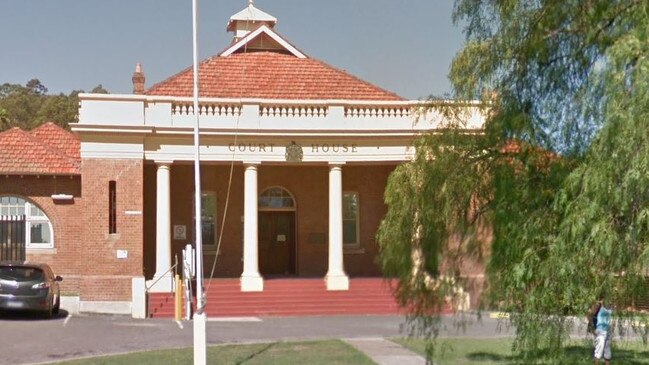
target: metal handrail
161 276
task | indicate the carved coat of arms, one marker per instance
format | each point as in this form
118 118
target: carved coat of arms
294 152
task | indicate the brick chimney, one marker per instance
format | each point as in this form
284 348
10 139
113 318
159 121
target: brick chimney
138 80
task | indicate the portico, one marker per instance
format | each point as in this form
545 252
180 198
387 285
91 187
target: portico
251 278
321 201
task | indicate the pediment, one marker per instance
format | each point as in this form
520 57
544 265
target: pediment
263 38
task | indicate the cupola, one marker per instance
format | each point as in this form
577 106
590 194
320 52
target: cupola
248 20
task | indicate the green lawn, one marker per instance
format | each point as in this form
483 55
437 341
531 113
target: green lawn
498 352
317 353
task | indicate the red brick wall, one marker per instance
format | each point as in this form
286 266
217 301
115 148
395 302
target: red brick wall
65 217
369 182
84 253
105 276
309 186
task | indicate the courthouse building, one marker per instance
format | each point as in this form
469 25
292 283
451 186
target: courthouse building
294 154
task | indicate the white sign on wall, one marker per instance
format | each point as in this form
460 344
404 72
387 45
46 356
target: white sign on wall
180 232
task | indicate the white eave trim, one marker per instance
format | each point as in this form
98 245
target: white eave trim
252 35
331 102
283 133
112 129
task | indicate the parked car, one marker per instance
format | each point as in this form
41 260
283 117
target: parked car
29 286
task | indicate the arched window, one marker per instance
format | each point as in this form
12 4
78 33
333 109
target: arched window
276 198
39 232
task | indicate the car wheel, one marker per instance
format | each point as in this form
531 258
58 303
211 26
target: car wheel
57 306
48 312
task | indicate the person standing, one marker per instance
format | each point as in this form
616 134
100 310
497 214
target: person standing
603 333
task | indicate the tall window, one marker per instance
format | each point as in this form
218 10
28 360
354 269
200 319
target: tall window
208 218
112 207
350 220
39 232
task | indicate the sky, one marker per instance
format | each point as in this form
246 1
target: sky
405 46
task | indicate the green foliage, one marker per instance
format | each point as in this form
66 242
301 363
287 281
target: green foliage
29 106
433 200
560 174
4 120
99 89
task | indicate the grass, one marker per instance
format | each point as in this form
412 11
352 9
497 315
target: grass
498 352
316 353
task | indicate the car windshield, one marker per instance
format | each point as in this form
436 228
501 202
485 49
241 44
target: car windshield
20 273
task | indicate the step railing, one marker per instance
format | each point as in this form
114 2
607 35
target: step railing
147 288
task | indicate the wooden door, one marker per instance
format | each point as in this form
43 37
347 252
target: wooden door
277 248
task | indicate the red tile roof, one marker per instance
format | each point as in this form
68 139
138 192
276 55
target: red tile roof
270 75
57 137
47 150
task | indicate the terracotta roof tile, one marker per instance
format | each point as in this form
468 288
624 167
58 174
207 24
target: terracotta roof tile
270 75
24 153
57 137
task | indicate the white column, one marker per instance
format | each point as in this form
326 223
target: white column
336 278
163 231
250 279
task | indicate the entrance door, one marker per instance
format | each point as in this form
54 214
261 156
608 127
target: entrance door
277 243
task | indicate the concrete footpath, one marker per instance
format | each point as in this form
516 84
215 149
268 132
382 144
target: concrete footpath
30 339
385 352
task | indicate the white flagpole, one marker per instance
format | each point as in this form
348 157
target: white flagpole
200 351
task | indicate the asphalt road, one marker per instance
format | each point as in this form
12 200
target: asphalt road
27 339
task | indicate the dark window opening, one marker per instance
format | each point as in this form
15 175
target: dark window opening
112 207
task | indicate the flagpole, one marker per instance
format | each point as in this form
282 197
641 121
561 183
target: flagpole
200 351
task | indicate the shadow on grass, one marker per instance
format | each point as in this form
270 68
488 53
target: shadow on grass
573 355
488 356
255 354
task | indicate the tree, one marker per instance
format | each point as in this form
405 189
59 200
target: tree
560 172
22 103
30 106
99 89
60 109
35 86
4 120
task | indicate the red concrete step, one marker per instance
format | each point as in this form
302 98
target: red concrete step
224 298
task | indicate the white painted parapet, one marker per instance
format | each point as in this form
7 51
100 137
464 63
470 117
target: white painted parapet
156 128
264 114
126 110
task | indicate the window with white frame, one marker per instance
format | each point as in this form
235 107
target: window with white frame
350 219
276 198
208 218
39 228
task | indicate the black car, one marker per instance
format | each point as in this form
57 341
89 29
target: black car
29 286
